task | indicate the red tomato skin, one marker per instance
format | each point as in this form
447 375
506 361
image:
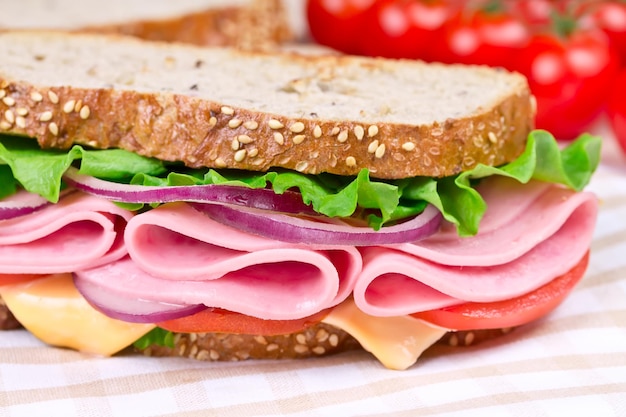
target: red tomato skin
508 313
216 320
486 38
467 316
533 12
570 78
610 17
408 29
338 23
617 110
11 279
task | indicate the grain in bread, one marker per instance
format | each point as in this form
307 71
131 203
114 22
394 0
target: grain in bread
244 23
215 107
320 339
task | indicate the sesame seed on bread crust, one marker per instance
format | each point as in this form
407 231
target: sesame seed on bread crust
249 24
221 108
320 339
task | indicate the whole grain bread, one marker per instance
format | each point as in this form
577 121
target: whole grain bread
217 107
320 339
249 24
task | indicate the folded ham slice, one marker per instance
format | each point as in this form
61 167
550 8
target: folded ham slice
79 232
530 235
518 218
178 255
548 229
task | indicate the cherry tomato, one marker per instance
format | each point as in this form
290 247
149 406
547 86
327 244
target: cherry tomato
224 321
489 35
338 23
533 12
408 29
617 109
610 17
509 313
570 75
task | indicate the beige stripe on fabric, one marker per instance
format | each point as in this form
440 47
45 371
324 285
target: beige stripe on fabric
586 321
612 202
46 355
43 355
285 371
137 383
299 403
598 279
608 241
509 398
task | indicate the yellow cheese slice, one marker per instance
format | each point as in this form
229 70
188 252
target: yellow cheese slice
397 342
53 310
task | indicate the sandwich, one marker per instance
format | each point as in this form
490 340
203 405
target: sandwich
222 205
247 24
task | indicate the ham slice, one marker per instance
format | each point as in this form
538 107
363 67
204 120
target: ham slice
545 236
178 255
79 232
518 218
530 234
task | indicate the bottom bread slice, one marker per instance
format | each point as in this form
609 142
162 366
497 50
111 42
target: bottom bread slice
318 340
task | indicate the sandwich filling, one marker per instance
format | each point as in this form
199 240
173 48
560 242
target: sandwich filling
137 250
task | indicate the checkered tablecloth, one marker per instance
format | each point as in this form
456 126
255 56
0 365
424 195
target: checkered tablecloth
573 361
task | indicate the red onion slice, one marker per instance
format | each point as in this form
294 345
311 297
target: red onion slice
21 204
131 310
261 198
298 230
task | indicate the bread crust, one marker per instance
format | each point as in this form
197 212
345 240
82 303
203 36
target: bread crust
204 133
320 339
261 25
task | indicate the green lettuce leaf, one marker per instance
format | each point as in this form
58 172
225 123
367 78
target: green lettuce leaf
40 171
382 202
8 184
542 160
156 336
333 197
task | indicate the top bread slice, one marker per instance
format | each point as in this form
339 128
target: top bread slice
249 24
222 108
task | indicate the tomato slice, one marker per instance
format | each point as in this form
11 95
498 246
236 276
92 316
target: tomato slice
508 313
216 320
468 316
11 279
